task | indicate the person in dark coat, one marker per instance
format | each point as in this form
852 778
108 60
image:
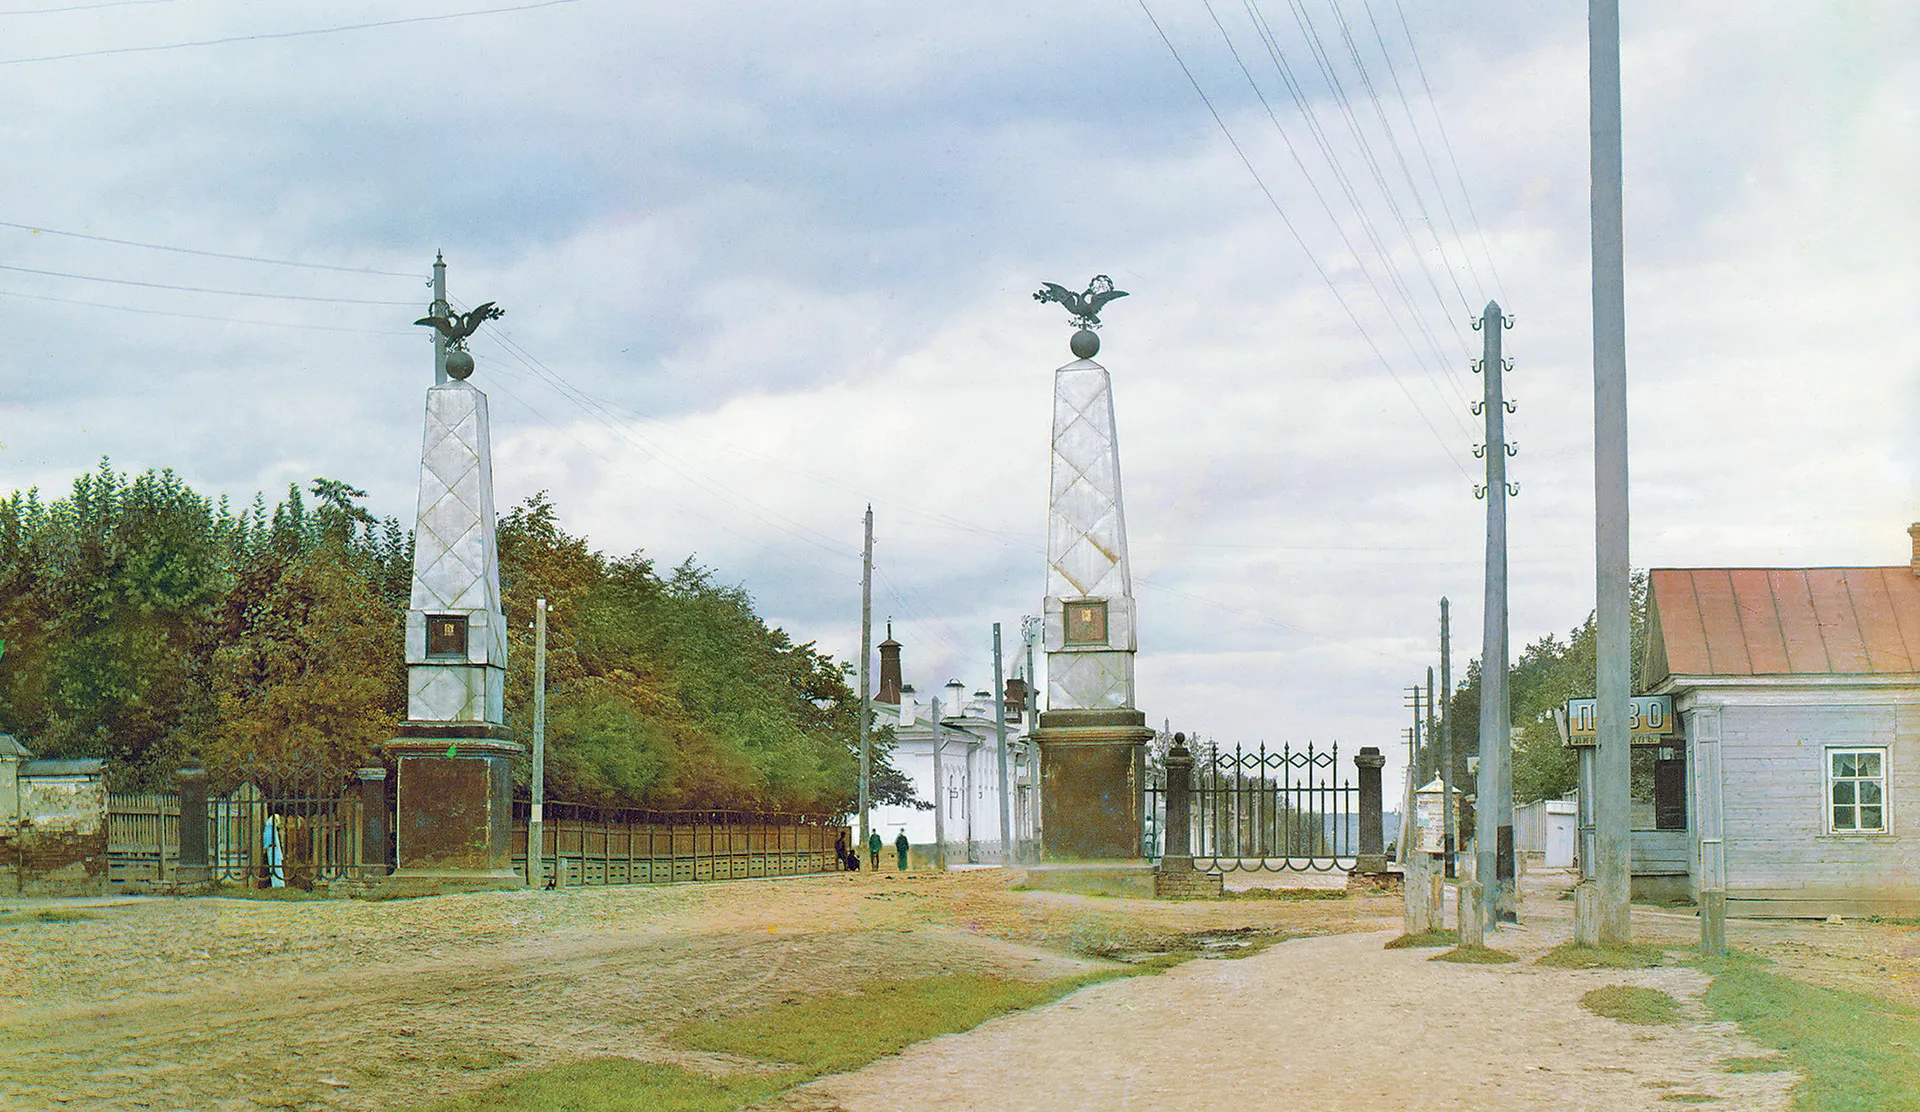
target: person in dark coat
900 847
873 848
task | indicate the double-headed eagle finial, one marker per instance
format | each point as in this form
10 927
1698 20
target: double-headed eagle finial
456 327
1085 307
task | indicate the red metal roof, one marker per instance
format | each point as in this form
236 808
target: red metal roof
1783 621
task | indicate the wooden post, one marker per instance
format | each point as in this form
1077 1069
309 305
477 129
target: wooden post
939 795
1436 892
1703 741
1415 894
536 819
1612 678
1499 895
1468 915
999 704
1446 739
866 650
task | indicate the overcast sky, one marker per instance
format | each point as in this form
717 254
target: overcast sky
765 264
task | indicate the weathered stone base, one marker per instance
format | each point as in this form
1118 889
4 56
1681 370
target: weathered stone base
1187 884
1360 881
1130 879
453 821
1092 771
439 882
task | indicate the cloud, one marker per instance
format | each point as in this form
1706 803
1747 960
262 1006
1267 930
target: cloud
767 264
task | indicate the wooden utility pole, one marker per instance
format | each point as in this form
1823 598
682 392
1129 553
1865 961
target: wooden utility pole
999 703
536 822
442 309
1613 673
939 791
1446 736
866 650
1493 828
1030 633
1403 843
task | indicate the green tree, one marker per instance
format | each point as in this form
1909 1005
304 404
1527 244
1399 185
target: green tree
313 673
123 578
1548 673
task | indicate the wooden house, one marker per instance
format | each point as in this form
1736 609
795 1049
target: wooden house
1799 694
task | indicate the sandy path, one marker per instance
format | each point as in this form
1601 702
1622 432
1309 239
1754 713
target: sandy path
1332 1023
222 1005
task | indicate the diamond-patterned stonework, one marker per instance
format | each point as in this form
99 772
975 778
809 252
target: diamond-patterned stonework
1089 681
1087 543
456 568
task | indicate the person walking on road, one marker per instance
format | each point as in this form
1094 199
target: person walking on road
873 848
900 847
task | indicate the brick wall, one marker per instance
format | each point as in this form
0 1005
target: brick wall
1186 884
55 843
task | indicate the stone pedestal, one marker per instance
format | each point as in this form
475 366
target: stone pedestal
453 802
192 870
1372 857
1092 776
455 819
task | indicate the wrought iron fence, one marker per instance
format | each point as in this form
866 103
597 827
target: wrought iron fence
268 825
588 845
1262 809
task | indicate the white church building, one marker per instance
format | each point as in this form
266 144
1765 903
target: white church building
954 764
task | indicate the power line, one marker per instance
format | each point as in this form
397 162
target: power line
262 36
1426 157
81 7
1441 125
1286 220
198 289
1406 172
205 254
202 316
1324 59
1366 227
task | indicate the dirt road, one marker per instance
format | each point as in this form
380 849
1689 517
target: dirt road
227 1004
1337 1024
219 1005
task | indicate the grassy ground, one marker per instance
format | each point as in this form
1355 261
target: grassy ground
1646 1006
1855 1053
1475 955
1425 939
43 915
1567 955
801 1038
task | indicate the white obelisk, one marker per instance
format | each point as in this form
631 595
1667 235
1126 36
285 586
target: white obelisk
1092 739
453 823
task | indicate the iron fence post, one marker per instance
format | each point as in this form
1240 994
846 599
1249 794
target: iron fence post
373 820
1176 839
191 870
1372 858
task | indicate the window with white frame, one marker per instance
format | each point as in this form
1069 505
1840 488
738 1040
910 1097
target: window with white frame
1857 791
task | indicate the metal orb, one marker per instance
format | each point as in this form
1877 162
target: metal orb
459 364
1085 344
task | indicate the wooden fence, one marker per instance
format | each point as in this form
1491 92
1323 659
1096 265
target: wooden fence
319 840
251 838
143 837
597 845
